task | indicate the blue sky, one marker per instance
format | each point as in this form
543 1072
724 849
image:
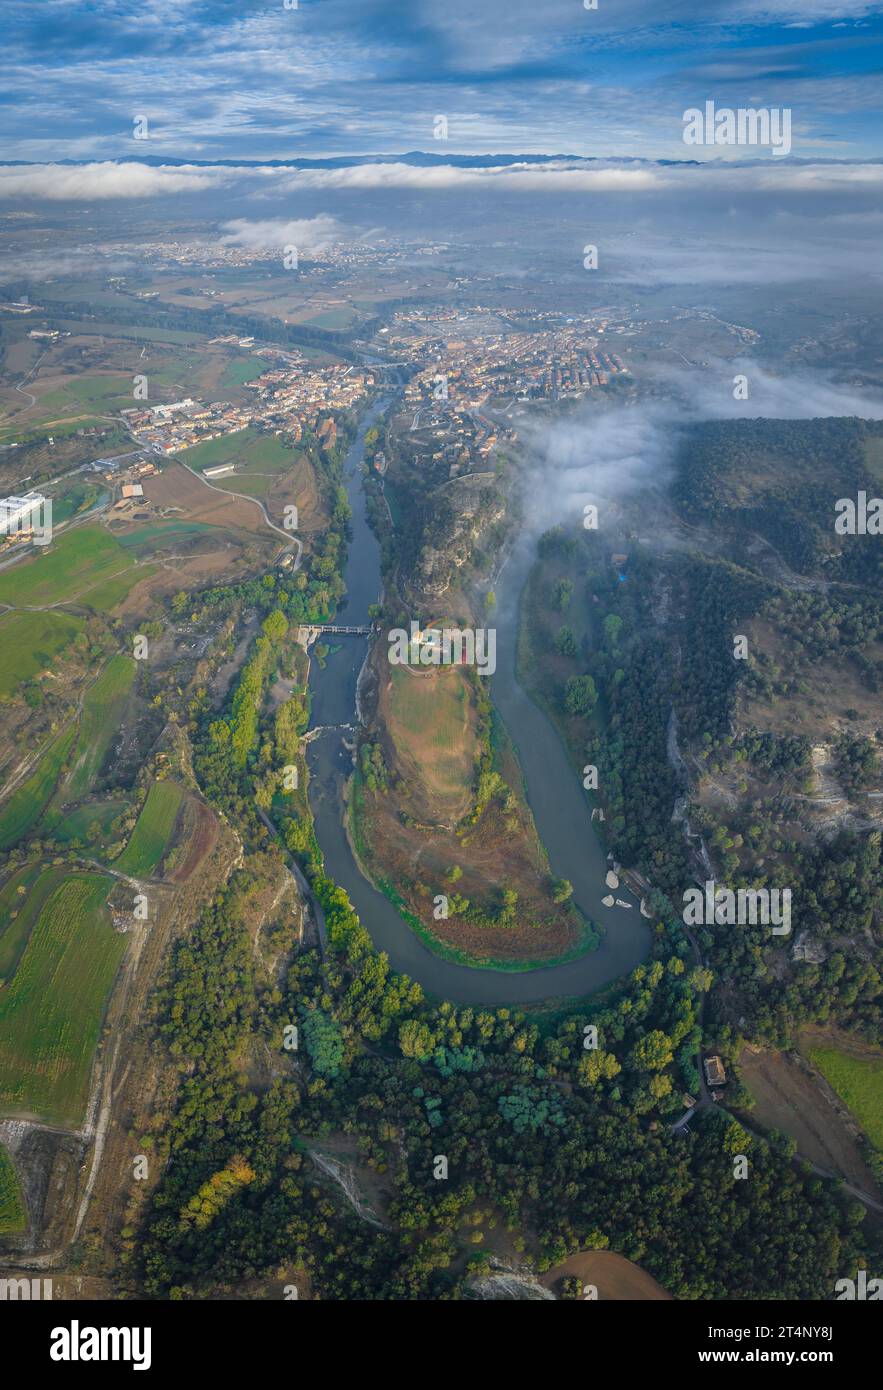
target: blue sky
256 80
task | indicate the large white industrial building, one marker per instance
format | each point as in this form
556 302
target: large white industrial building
19 514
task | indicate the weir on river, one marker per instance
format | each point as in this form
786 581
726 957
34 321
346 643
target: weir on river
556 797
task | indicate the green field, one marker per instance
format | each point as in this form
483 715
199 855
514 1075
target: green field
82 395
26 804
21 900
78 564
151 537
335 320
240 370
52 1009
430 722
102 712
858 1082
153 830
29 642
250 450
142 333
76 823
13 1217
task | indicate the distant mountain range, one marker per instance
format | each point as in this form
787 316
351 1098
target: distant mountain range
420 159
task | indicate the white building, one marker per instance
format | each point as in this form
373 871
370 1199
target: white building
163 412
19 514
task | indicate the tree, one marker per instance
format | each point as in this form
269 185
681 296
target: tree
593 1066
580 695
653 1052
562 889
562 594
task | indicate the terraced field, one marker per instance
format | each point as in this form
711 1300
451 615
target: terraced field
52 1009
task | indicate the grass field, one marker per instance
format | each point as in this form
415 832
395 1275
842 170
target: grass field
430 722
27 803
82 395
142 333
29 643
78 564
51 1011
152 537
335 320
248 449
13 1218
240 370
102 711
153 830
75 824
858 1082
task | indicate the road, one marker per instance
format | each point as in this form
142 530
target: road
304 888
290 541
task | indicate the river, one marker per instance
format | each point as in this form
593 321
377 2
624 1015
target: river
554 791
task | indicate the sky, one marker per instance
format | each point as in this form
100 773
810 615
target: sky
250 80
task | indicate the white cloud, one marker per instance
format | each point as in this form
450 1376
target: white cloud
306 233
724 177
85 182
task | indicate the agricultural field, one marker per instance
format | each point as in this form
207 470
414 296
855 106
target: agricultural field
102 711
77 396
83 565
855 1072
13 1217
51 1011
335 320
790 1098
240 370
612 1275
430 721
29 644
141 333
21 901
153 536
27 802
153 830
176 487
257 456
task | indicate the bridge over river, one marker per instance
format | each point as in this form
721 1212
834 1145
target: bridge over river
308 633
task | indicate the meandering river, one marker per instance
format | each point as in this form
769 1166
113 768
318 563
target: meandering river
554 791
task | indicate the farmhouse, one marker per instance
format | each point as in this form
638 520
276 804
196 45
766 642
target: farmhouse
714 1072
